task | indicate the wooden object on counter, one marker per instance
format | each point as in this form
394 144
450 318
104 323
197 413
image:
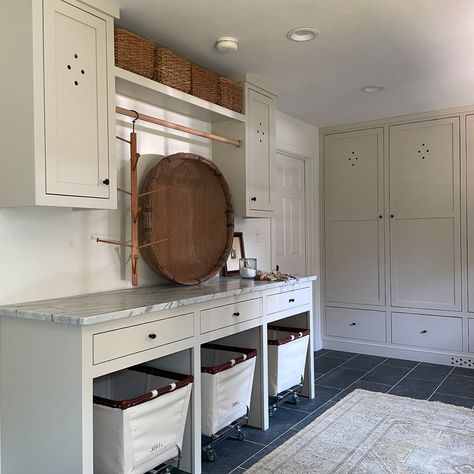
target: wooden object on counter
186 205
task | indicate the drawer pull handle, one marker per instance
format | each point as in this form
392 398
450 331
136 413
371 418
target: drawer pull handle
291 300
236 314
152 336
352 324
253 198
424 331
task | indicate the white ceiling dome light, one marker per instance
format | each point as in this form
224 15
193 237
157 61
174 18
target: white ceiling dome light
227 44
302 34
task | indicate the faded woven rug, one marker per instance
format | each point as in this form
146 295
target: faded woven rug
370 432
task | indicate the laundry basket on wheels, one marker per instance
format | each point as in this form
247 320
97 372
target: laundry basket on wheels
139 419
226 384
287 348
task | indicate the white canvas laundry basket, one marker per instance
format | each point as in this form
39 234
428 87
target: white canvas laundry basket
226 385
287 349
139 419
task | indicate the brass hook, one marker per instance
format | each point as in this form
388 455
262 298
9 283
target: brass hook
135 119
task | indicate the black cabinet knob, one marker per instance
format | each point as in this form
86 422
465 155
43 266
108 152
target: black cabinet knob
253 198
236 314
392 216
380 216
291 300
152 336
106 181
424 331
352 324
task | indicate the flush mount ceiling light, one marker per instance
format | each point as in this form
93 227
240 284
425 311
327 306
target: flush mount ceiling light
226 44
302 34
371 89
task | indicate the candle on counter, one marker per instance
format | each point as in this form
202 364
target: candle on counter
248 267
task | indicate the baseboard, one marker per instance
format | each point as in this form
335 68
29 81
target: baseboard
421 355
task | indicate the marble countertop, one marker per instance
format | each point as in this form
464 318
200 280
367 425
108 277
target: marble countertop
119 304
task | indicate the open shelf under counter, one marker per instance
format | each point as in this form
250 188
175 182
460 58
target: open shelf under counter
138 87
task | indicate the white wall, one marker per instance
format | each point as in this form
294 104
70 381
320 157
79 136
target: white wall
302 140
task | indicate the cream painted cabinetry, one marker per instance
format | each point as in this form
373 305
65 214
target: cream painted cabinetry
58 102
392 193
249 170
425 215
353 164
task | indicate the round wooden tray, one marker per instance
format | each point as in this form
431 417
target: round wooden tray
189 212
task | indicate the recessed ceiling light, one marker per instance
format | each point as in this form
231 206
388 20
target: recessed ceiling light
302 34
371 89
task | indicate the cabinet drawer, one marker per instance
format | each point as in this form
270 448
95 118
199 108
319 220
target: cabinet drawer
436 332
229 314
361 324
471 335
130 340
288 299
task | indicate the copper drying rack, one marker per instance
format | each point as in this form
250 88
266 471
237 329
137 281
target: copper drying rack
133 193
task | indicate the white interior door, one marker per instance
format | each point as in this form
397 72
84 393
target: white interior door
425 214
354 224
289 226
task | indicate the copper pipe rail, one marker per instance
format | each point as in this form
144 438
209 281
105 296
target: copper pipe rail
175 126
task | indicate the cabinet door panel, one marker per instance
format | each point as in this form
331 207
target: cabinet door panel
470 216
353 262
354 239
352 174
76 120
425 210
260 155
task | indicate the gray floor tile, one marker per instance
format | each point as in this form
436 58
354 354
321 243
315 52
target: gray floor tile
414 388
453 400
459 385
363 362
312 416
365 385
401 363
387 374
324 363
463 371
340 354
430 372
340 378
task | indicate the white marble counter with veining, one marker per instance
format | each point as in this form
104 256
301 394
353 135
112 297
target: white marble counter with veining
119 304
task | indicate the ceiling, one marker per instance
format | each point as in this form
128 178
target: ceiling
422 51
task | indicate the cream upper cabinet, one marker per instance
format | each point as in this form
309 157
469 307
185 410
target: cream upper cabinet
354 237
249 170
470 221
425 215
61 145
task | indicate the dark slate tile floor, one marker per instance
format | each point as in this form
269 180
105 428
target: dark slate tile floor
338 374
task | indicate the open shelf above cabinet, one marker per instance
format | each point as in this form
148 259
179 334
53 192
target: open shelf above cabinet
133 85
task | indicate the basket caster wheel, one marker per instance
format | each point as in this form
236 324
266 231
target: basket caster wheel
271 411
296 398
211 455
240 435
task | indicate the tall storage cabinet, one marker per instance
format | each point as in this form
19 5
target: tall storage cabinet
425 215
392 236
60 136
249 170
353 211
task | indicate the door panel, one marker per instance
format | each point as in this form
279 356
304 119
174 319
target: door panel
353 262
289 223
354 238
75 101
470 217
425 214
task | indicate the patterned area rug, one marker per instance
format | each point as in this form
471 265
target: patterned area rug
376 433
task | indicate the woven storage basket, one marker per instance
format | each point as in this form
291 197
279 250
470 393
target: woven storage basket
204 84
230 94
172 70
134 53
190 209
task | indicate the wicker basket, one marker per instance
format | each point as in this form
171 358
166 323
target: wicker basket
188 212
230 94
204 84
172 70
134 53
